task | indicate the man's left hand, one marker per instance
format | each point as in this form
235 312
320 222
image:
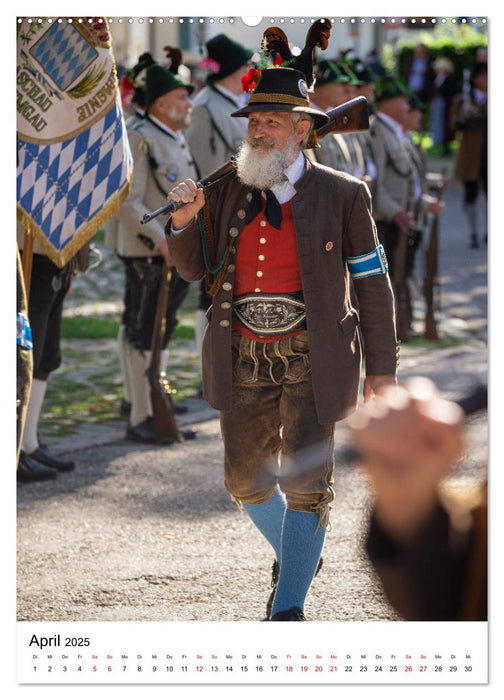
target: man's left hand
376 383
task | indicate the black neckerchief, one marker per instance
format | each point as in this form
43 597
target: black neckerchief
273 209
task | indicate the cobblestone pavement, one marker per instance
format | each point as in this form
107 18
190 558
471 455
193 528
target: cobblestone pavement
149 533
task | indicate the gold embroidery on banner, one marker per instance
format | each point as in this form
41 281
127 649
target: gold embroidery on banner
86 232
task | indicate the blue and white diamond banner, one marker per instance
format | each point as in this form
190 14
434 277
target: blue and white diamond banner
74 163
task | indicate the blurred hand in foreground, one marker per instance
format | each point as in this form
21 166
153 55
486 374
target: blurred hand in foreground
409 439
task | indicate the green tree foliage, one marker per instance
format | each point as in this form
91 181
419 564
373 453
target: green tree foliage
458 42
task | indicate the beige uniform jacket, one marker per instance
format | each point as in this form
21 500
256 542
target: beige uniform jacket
213 135
333 221
395 185
334 153
159 163
111 226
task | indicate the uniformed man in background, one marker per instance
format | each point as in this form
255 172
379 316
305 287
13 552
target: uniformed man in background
397 189
162 158
213 136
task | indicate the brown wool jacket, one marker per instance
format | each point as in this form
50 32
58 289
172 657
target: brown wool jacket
332 217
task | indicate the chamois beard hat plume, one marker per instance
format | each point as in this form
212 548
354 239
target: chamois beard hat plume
173 59
277 44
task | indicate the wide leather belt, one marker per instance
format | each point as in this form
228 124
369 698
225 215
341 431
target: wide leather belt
271 314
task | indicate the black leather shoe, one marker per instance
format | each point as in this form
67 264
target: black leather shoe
124 408
275 573
28 470
144 432
42 456
291 615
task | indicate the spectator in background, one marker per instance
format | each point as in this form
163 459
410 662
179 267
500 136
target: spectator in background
470 121
374 63
428 547
419 72
443 90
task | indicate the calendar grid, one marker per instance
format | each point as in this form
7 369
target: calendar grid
208 653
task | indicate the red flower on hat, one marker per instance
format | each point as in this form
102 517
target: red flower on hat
278 60
210 64
126 89
250 79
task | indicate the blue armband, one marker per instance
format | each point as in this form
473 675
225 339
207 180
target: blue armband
24 334
373 263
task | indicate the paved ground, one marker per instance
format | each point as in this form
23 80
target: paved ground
149 533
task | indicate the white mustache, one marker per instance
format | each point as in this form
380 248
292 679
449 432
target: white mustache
258 142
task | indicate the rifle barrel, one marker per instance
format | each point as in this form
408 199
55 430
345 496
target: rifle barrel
210 179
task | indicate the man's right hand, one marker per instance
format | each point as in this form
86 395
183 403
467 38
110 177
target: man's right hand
194 198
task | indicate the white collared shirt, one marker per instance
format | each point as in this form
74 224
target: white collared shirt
285 191
395 126
239 100
176 134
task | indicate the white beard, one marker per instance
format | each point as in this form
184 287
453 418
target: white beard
259 168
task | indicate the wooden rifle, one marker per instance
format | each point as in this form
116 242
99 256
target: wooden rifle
403 312
431 277
165 426
349 118
400 281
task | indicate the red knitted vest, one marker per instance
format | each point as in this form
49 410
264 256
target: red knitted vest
267 261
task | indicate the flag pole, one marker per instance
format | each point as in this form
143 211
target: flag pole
27 260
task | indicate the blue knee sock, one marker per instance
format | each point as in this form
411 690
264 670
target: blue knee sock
268 518
302 546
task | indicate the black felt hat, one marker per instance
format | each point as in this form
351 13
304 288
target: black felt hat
228 54
387 88
363 72
159 81
281 90
346 68
327 72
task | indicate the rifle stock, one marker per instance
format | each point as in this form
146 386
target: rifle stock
431 266
165 426
401 288
350 117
